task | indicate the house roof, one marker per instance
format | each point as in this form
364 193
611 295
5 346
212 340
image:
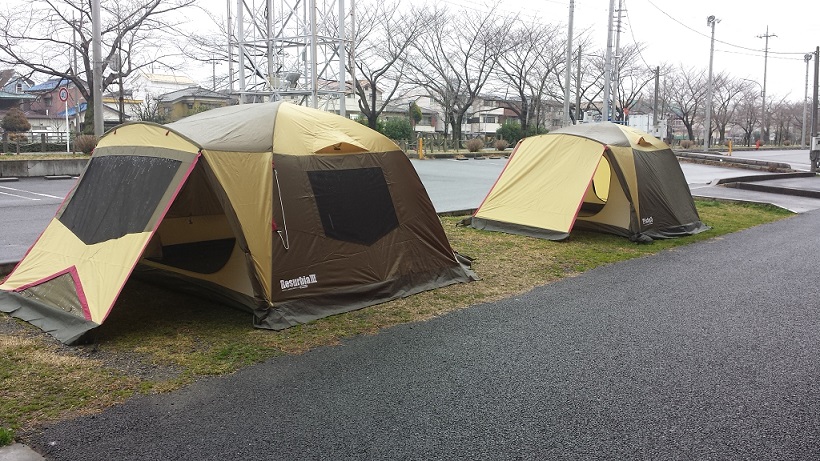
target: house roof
15 96
192 92
10 75
48 85
168 78
74 110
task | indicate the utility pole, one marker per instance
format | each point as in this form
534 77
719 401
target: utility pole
707 127
814 154
807 57
75 26
616 81
578 87
568 70
96 84
608 63
764 129
655 105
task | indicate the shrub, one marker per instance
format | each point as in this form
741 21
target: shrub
15 121
501 144
474 145
85 143
397 129
510 131
686 144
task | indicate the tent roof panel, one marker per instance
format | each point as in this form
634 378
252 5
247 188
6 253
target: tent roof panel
538 169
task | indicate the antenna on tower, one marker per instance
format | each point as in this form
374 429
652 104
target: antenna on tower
291 49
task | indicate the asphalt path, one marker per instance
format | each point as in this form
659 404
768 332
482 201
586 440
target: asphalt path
708 351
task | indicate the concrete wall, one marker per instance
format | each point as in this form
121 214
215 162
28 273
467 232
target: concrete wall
26 168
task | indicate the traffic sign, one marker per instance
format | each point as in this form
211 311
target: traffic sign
63 94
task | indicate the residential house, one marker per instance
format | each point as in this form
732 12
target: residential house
13 82
12 86
48 112
150 85
188 101
487 114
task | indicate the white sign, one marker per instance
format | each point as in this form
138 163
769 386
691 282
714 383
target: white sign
63 94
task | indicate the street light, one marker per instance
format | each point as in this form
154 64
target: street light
710 21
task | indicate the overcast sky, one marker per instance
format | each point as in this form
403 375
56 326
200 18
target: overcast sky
676 32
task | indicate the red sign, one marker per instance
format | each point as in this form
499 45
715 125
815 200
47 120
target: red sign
63 94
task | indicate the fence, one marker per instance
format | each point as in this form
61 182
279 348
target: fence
35 142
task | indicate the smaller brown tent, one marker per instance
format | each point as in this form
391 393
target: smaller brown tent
599 176
289 212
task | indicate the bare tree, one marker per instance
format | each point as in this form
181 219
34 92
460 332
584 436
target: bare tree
633 77
382 39
455 57
727 100
687 93
782 113
526 67
589 87
45 36
148 110
748 110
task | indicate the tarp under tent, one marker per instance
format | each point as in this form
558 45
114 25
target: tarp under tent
598 176
290 212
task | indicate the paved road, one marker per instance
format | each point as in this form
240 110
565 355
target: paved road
26 207
705 352
798 159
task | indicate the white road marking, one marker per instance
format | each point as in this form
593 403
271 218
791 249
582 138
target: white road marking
29 192
18 196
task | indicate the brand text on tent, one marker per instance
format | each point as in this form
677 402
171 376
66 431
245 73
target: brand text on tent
299 282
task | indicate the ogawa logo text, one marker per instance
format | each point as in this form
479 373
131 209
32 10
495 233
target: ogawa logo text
298 282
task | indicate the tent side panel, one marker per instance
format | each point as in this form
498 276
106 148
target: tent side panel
667 208
331 259
615 215
246 181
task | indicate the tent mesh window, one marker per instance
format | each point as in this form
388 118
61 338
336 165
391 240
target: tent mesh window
59 291
354 205
117 196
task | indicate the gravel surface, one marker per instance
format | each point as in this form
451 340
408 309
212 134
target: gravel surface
704 352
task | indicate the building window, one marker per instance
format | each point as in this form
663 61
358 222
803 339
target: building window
18 88
489 119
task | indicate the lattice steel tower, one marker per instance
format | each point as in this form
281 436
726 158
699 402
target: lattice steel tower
290 49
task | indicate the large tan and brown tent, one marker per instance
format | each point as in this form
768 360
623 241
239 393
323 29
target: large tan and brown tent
599 176
290 212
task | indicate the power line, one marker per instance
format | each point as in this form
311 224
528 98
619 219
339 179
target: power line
635 41
801 53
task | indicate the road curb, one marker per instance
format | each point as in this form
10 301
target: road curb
5 268
19 452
